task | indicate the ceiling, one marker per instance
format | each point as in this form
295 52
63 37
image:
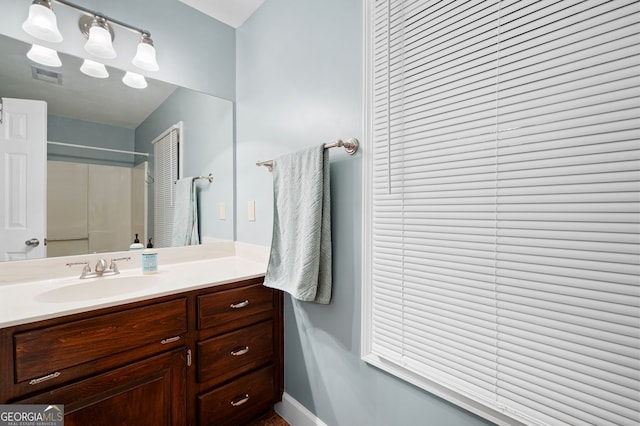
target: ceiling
231 12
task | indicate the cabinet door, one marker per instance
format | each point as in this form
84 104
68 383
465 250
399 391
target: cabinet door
148 392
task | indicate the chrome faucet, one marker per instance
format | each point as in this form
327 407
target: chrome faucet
101 268
113 265
85 271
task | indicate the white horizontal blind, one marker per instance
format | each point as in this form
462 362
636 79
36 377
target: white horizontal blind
165 153
568 211
504 228
438 317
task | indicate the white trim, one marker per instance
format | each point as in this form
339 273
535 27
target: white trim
367 100
180 127
295 413
146 199
166 132
441 391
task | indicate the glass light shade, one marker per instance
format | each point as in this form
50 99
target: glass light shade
99 43
42 23
94 69
44 55
134 80
146 56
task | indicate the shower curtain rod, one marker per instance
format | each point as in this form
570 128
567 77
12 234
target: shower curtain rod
351 146
72 145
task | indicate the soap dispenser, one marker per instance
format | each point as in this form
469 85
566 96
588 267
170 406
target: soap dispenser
136 245
149 244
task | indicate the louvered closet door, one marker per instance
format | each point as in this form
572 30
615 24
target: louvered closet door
567 202
503 245
165 151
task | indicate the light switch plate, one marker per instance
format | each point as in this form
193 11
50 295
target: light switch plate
251 211
223 211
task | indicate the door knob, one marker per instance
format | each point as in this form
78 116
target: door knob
33 242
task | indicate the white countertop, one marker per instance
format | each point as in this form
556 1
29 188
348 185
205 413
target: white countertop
35 300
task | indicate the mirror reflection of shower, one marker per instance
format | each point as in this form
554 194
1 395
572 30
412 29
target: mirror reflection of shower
95 208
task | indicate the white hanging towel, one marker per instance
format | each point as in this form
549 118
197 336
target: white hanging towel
300 259
185 214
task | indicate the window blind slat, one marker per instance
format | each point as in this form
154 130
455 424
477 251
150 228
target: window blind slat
628 290
599 403
575 328
601 378
461 360
533 345
557 402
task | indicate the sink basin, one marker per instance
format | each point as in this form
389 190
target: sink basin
99 288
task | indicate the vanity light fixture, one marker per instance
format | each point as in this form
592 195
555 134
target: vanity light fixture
94 69
134 80
146 54
100 36
41 22
44 55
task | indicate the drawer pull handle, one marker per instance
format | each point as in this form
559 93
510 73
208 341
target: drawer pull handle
242 400
239 305
170 340
44 378
239 352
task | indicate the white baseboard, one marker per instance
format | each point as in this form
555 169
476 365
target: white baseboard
295 413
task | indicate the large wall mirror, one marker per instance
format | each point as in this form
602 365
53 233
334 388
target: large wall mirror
100 163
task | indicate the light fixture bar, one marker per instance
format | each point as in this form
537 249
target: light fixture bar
103 16
97 27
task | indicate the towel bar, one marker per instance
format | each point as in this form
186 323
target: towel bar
209 178
351 146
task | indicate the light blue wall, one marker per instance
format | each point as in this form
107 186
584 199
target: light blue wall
300 83
207 148
79 132
193 50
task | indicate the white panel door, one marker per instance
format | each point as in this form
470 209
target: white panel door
23 184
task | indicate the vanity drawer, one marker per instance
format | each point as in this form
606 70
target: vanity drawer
238 401
228 355
50 349
235 308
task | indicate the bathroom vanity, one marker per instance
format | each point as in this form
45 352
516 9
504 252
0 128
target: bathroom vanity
209 355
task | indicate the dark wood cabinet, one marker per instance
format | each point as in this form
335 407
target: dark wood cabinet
205 357
238 354
148 392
